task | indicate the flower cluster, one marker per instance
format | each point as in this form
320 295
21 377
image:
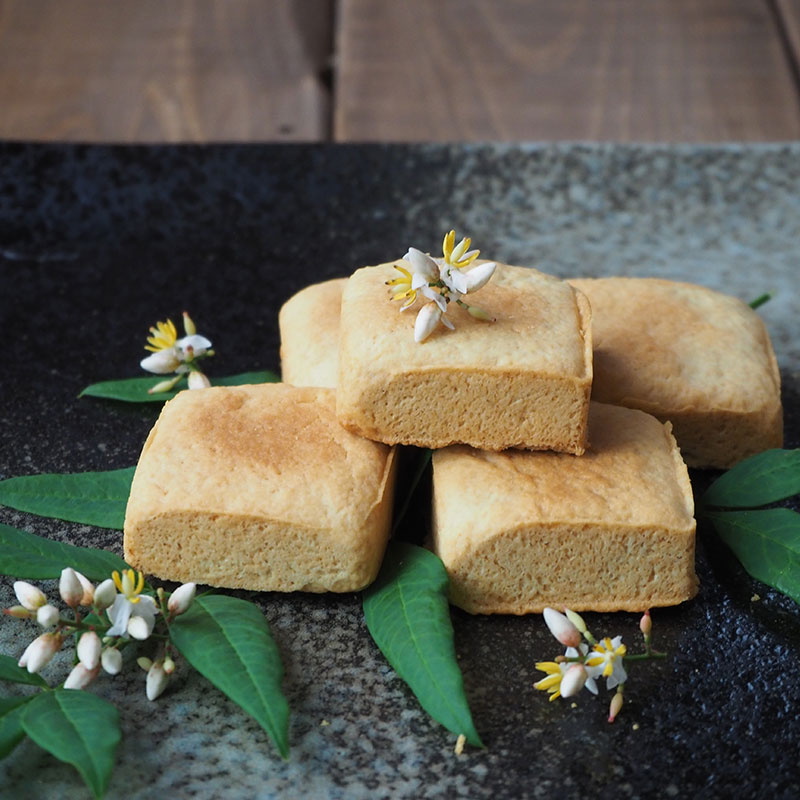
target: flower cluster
104 620
440 281
583 663
171 354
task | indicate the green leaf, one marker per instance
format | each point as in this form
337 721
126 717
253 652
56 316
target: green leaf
134 390
767 543
92 498
228 641
9 671
11 733
757 481
25 555
408 616
79 728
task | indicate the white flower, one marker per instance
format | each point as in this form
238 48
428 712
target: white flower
104 594
39 652
89 647
70 588
47 616
157 680
30 596
131 604
161 363
423 264
80 677
606 660
562 628
111 660
197 380
192 346
181 598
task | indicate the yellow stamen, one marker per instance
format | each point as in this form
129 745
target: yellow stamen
548 682
164 335
117 580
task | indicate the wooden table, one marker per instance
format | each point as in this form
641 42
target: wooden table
412 70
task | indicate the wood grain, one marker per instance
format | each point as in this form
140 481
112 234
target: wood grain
148 70
788 17
661 70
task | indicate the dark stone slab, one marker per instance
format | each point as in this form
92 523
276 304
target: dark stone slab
96 243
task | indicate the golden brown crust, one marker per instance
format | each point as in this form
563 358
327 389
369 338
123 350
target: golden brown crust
611 530
690 355
309 327
258 487
521 381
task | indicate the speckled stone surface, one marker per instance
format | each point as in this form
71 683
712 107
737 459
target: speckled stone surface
96 243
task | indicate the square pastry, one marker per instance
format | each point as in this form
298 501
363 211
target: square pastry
690 355
612 530
522 380
309 326
259 487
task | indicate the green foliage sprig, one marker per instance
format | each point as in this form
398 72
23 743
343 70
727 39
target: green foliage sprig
765 540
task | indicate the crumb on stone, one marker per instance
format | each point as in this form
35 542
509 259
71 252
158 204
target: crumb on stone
636 726
460 742
573 705
324 723
755 598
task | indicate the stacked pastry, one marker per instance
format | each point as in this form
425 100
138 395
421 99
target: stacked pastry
540 497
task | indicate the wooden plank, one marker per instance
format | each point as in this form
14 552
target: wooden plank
148 70
627 70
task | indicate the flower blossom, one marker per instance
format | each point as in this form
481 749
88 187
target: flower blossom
606 658
440 281
40 651
170 354
132 613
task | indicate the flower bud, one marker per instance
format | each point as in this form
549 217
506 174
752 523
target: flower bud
188 324
80 677
164 386
169 665
104 594
479 276
157 680
562 628
69 587
615 707
47 616
576 619
18 612
574 679
38 653
480 314
88 590
181 599
30 596
197 380
144 663
646 625
89 647
111 660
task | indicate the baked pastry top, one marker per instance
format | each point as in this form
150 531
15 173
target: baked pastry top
690 355
259 487
611 530
520 381
309 328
